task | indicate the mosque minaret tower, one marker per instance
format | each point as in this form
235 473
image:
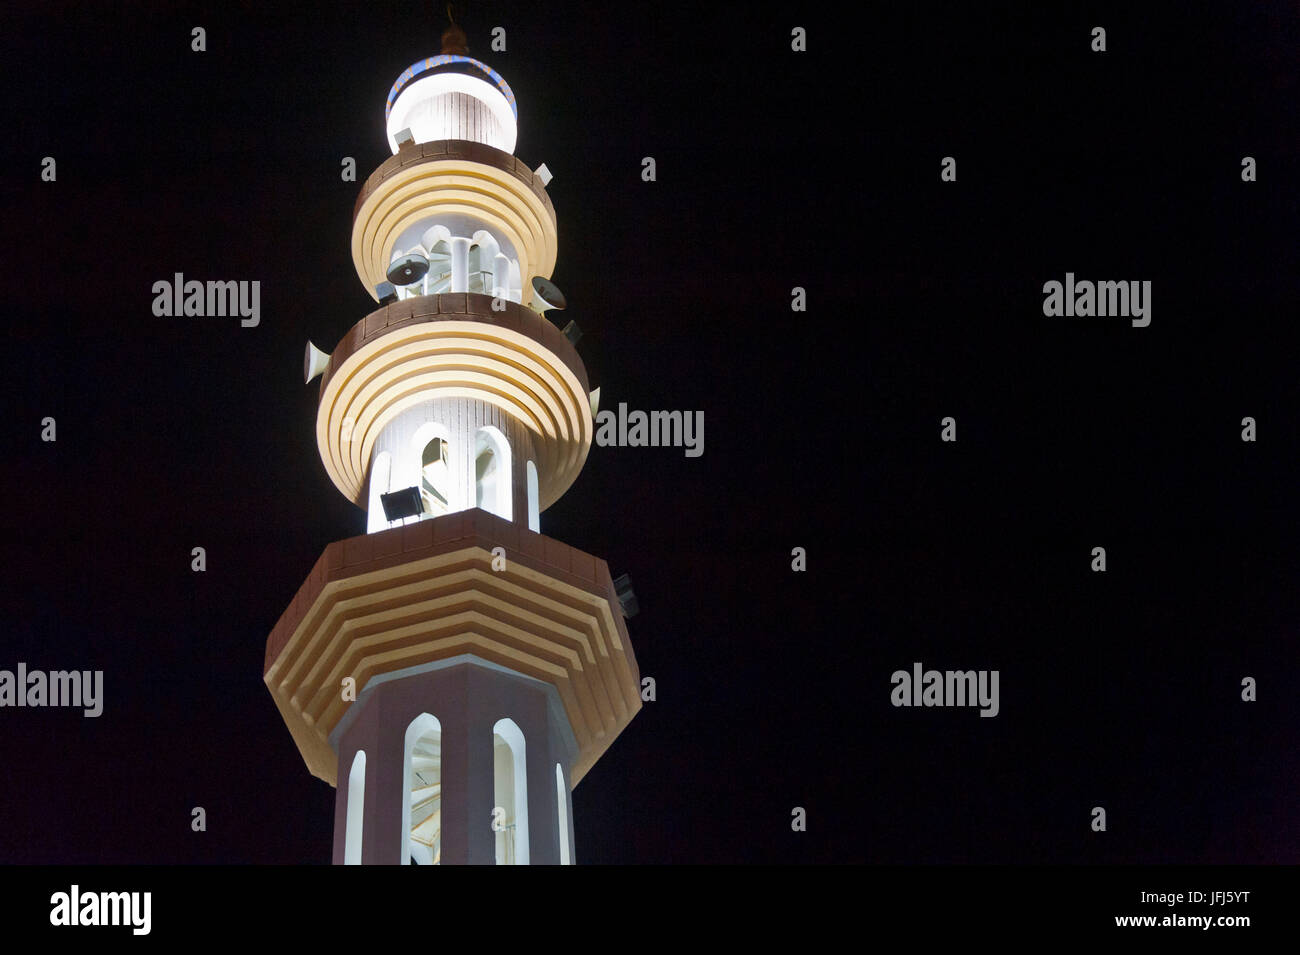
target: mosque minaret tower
454 672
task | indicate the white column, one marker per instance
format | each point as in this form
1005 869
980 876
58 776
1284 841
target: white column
534 517
460 265
500 276
380 472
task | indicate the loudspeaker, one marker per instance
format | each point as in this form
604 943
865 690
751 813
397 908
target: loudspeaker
314 361
546 294
408 269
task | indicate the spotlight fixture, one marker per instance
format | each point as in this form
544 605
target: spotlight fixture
402 504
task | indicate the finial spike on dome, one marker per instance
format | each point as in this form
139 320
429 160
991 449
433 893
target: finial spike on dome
454 40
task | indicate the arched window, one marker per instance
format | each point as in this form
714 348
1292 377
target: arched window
435 478
356 810
510 792
492 472
422 792
483 263
434 244
429 463
534 517
438 279
562 800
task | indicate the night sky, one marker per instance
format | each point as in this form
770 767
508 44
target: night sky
775 169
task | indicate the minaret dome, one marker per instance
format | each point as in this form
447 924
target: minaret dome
452 96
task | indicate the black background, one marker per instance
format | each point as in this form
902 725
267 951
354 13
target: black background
775 169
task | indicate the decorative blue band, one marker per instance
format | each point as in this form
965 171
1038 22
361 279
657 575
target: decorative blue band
423 66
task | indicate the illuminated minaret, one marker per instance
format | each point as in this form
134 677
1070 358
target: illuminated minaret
453 672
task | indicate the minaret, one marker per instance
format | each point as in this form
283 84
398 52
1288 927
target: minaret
453 672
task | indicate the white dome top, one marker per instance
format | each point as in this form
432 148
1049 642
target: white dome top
452 105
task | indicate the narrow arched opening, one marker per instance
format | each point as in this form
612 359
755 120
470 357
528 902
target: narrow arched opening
510 793
422 792
562 802
492 472
356 813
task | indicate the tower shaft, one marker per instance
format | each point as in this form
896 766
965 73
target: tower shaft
453 671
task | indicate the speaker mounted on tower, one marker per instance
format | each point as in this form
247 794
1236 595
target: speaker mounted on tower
314 361
547 295
408 269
